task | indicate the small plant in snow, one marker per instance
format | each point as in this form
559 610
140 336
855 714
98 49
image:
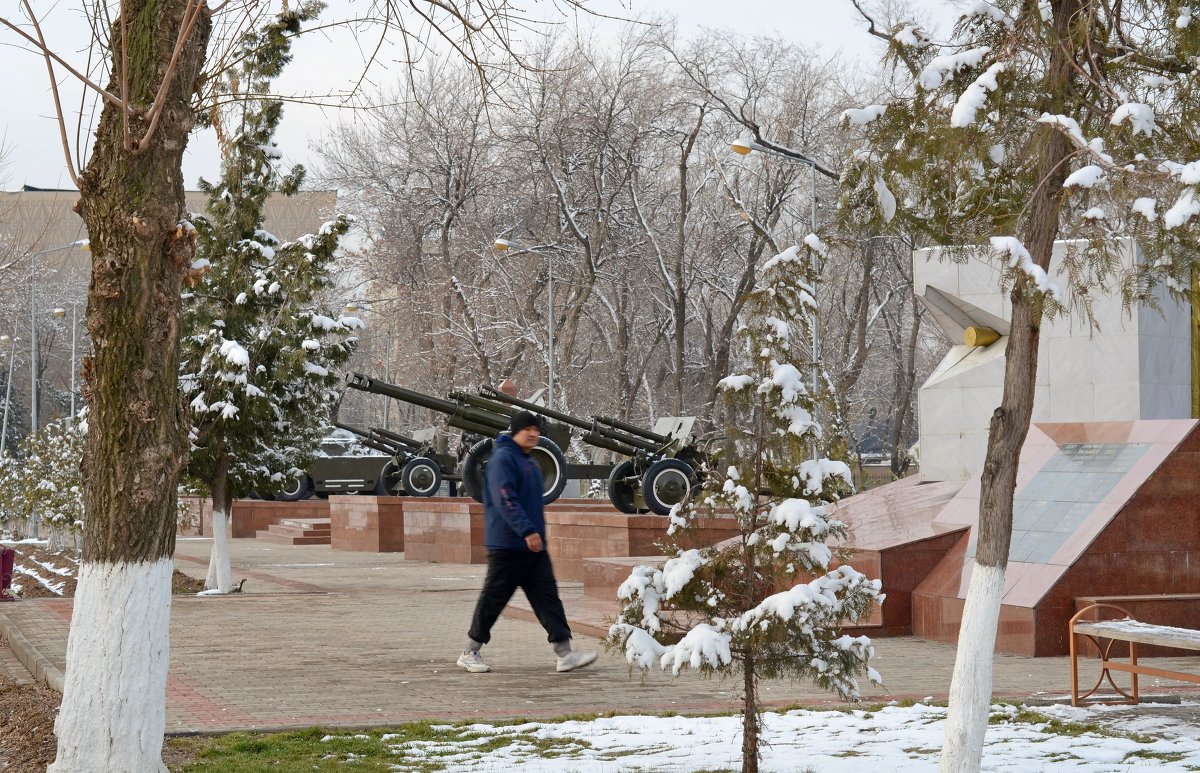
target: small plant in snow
766 603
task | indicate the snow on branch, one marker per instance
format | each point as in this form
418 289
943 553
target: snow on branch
1140 117
942 68
861 116
973 99
1020 259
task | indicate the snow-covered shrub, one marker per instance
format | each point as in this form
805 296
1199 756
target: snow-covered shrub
43 479
766 603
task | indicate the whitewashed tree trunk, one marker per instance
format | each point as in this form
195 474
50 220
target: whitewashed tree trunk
220 573
56 542
971 684
116 665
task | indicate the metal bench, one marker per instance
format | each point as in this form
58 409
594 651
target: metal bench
1105 633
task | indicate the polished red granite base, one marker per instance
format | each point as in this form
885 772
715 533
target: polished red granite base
366 523
251 516
1135 532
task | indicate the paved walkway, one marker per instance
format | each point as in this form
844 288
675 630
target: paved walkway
355 639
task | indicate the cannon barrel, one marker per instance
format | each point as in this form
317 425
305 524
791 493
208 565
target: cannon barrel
370 439
459 413
600 441
598 434
397 438
661 440
484 404
376 387
565 418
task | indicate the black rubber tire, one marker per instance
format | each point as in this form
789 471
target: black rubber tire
473 466
389 483
553 463
296 489
549 458
667 483
621 490
422 477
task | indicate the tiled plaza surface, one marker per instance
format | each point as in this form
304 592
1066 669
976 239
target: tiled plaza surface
360 639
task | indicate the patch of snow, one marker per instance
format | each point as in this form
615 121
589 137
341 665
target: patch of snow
1140 117
1019 258
887 201
912 35
857 116
981 9
942 68
1088 177
1145 207
1095 213
1183 210
975 96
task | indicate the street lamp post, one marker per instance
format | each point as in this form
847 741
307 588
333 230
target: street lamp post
504 245
33 370
60 313
12 355
744 147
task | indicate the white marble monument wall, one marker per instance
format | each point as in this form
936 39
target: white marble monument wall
1135 366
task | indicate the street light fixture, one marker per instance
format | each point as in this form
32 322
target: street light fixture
505 245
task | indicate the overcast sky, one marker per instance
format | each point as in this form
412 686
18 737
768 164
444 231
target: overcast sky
28 130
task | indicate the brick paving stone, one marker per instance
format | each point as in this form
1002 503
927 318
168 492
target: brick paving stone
360 639
11 668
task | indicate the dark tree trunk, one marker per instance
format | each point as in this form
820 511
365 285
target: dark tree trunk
132 204
131 200
750 717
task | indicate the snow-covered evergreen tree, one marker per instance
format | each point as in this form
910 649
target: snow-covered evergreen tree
1037 122
43 477
258 348
764 604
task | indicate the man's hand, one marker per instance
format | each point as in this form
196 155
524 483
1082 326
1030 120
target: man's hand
534 541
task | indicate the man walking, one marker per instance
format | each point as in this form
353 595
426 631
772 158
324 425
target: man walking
515 537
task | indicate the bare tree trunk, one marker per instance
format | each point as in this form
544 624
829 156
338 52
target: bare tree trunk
971 683
131 200
750 716
220 573
902 398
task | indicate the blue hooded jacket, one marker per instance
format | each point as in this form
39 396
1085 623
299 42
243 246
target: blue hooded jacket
512 503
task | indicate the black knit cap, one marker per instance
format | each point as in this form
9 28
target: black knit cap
522 419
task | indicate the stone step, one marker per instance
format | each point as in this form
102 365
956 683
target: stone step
298 531
281 537
306 523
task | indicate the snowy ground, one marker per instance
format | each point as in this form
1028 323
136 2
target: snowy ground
894 738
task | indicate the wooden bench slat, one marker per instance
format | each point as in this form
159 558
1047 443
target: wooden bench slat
1142 633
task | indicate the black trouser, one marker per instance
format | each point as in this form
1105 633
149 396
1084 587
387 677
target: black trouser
531 572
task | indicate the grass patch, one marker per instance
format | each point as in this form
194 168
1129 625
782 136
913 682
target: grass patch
1148 755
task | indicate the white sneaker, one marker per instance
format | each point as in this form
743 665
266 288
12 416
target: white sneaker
473 663
576 660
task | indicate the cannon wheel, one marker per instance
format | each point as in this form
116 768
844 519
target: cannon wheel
390 481
667 483
622 487
549 458
295 489
422 477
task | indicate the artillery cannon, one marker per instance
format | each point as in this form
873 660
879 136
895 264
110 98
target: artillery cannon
486 418
415 469
663 464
